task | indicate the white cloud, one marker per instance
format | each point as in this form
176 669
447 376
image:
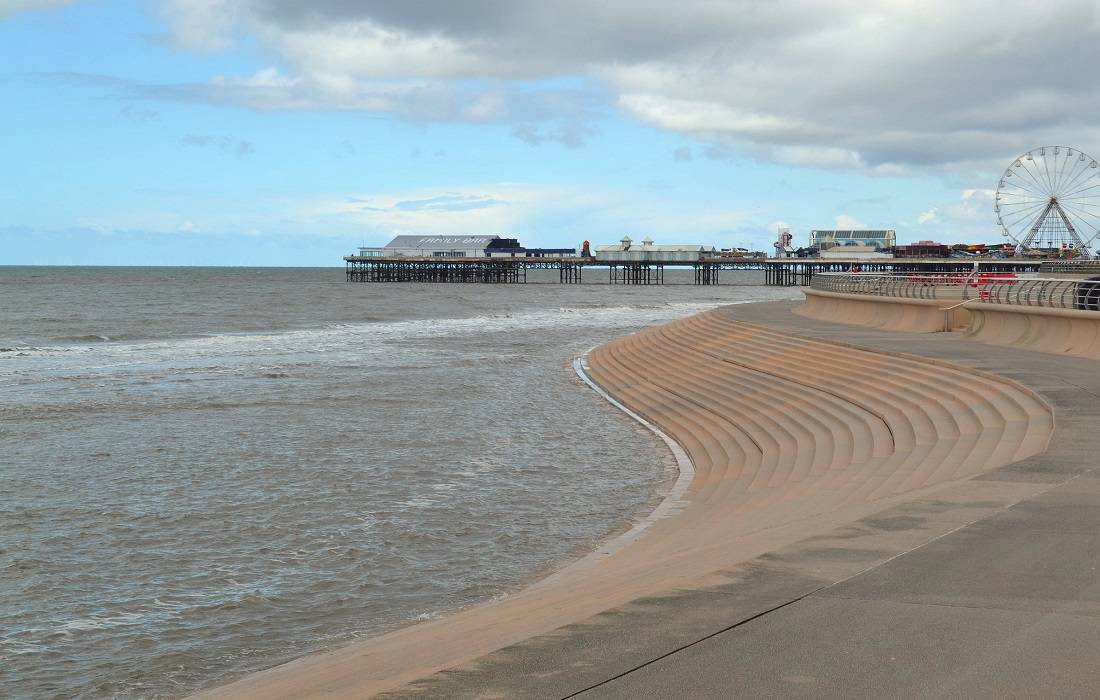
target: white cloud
701 116
845 222
538 213
880 86
493 208
11 7
202 25
927 217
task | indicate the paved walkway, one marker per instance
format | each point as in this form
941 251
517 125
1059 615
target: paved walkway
989 588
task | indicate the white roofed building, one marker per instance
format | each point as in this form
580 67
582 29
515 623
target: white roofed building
432 247
646 251
854 244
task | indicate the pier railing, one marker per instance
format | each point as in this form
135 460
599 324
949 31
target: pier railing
982 288
1070 267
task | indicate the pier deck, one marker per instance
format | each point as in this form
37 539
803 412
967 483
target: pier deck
779 272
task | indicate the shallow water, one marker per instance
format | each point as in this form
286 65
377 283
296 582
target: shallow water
210 471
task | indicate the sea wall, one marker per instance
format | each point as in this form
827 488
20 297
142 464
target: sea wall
887 313
1057 331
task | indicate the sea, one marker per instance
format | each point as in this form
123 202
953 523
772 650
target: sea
205 472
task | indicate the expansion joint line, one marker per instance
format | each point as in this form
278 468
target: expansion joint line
677 650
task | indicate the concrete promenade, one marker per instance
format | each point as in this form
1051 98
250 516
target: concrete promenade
988 587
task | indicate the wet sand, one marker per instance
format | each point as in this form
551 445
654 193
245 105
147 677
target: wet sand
789 437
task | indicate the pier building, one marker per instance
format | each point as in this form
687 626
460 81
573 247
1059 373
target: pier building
627 251
853 243
511 248
431 247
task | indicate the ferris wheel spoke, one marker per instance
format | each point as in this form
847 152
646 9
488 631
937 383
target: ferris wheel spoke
1026 217
1045 176
1069 172
1087 213
1086 242
1085 187
1056 172
1061 174
1079 195
1080 178
1089 203
1078 170
1046 168
1028 204
1082 220
1024 209
1056 167
1088 236
1020 198
1036 180
1080 175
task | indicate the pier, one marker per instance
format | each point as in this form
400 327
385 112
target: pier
778 272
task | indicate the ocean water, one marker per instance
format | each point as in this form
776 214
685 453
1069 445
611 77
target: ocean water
206 472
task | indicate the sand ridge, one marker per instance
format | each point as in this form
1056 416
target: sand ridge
789 437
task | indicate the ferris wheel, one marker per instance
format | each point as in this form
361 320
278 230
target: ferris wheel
1049 198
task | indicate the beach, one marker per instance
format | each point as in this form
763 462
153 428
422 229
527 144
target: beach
791 437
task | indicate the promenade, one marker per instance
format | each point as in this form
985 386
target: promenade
985 587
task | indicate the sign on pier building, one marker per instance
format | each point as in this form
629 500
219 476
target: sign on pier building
432 247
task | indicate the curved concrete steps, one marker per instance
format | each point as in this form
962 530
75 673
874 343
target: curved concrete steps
833 426
789 437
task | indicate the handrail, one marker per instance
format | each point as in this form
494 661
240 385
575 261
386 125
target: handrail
984 287
947 312
955 306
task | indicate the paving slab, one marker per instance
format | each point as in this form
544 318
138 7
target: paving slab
835 648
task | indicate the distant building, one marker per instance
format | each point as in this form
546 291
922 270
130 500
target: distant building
646 251
868 243
505 248
783 247
921 249
432 247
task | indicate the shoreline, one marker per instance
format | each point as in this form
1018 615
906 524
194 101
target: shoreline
672 501
685 543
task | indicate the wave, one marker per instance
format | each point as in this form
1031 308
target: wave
85 339
275 354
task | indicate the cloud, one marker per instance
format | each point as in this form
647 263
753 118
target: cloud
845 222
882 86
446 202
202 25
237 148
530 211
927 217
139 115
572 135
11 7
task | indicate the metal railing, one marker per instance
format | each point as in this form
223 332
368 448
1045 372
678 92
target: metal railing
1071 267
981 287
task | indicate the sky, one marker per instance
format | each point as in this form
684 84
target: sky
279 132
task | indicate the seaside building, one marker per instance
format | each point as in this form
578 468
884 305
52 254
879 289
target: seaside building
460 247
922 249
511 248
647 251
432 247
865 243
